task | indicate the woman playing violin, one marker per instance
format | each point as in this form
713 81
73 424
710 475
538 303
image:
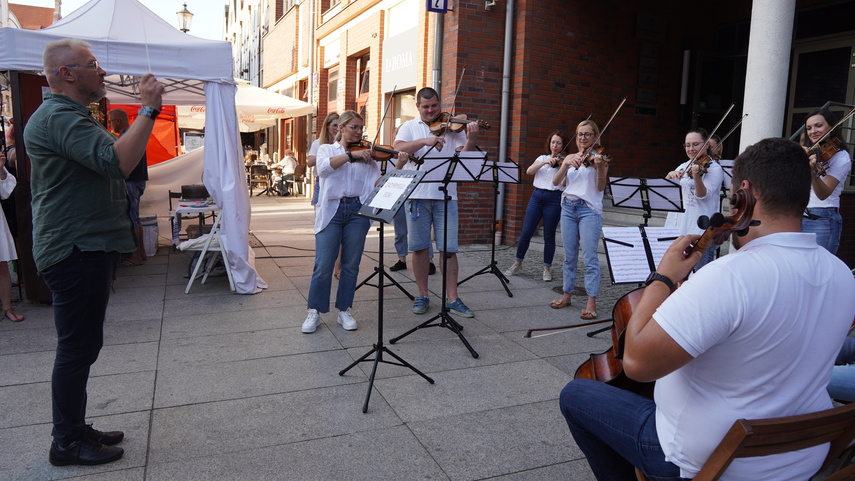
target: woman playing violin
347 179
700 182
822 216
545 203
584 175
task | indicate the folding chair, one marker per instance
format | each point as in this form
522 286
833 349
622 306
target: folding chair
762 437
212 244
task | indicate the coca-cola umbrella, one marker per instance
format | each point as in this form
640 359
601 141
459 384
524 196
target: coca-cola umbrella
257 108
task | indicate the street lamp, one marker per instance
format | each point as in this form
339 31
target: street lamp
184 18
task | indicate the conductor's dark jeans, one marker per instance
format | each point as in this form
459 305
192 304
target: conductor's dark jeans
81 289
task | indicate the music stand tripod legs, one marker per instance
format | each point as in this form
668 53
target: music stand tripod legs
444 318
383 276
493 267
379 348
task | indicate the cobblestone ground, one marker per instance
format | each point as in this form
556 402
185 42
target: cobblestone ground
532 269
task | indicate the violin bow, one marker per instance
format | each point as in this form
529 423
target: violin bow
732 129
605 127
383 119
707 142
568 143
838 124
456 90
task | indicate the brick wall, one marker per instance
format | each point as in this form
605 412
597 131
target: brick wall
280 48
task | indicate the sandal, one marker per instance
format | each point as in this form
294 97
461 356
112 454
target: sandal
13 316
588 315
558 304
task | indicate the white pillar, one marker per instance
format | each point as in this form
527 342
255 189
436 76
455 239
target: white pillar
768 70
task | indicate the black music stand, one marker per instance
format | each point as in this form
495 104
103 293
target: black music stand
646 194
458 168
495 173
382 272
388 196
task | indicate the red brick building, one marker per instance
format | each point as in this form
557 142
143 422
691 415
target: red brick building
678 64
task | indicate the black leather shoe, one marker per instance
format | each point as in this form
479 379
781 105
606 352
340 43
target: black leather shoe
109 438
84 452
432 269
399 266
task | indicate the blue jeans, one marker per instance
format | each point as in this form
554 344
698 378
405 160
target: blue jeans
827 228
580 224
427 212
616 429
80 285
842 384
546 205
135 191
346 232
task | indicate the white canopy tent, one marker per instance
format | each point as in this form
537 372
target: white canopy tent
257 109
129 40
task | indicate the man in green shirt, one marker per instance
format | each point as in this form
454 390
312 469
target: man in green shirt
80 225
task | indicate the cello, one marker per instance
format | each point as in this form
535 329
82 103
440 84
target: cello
608 365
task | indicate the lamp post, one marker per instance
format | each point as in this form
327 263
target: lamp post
184 19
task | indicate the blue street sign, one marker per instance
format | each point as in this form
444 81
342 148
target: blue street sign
438 6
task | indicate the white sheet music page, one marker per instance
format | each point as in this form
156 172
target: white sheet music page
390 192
628 262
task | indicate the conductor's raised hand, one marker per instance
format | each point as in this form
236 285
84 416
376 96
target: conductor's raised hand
151 91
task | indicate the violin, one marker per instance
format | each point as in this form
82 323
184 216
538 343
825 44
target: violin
380 153
446 122
595 151
608 366
703 161
824 152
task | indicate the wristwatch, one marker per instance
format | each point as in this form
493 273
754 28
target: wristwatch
149 112
655 276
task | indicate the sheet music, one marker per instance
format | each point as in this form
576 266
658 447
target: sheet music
629 264
390 192
436 166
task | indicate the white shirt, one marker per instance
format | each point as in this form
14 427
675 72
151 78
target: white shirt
764 325
544 175
353 179
288 165
695 206
415 129
839 166
582 184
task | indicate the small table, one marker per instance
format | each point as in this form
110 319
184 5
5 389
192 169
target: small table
189 209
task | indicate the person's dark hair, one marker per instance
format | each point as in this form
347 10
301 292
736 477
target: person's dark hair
565 139
830 119
426 93
698 130
779 171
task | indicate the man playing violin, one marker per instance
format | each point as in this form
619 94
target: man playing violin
762 347
426 206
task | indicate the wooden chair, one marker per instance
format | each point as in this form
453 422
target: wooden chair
258 174
762 437
298 182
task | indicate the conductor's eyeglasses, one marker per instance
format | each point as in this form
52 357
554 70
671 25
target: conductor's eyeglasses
94 65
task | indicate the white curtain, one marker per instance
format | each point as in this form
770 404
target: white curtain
225 179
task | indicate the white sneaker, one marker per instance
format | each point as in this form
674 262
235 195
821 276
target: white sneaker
512 271
547 275
345 318
313 320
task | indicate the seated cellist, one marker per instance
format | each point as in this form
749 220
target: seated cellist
752 335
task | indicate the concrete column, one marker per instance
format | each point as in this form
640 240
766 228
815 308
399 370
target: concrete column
768 70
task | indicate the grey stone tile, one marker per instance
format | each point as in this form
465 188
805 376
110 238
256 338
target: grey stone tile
233 380
390 453
24 450
489 443
471 390
217 428
26 404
